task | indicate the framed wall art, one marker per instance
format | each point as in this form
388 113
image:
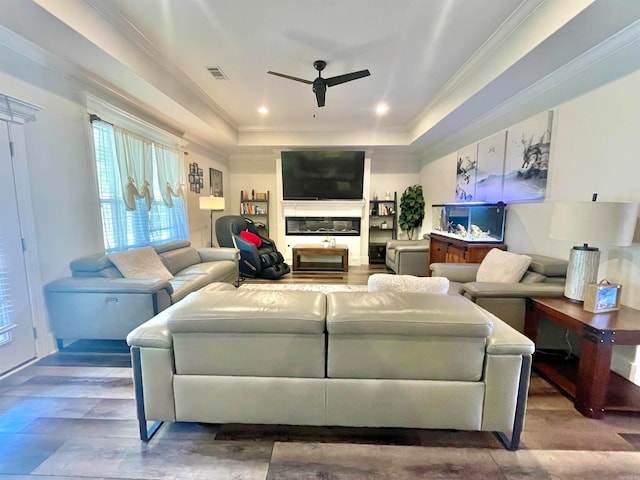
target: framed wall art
466 173
510 166
489 172
195 178
526 161
215 181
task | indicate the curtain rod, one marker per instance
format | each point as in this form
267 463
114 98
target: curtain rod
93 117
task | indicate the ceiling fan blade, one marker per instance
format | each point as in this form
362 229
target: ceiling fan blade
308 82
347 77
320 90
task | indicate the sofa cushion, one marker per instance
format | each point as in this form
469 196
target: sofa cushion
548 266
97 265
389 335
248 311
501 266
249 333
140 263
251 237
222 271
180 258
384 282
183 285
408 314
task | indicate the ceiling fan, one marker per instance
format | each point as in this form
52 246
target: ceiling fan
320 84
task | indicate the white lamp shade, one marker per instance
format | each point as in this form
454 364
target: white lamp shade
211 203
598 223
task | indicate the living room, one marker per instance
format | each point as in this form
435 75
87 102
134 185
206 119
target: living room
593 96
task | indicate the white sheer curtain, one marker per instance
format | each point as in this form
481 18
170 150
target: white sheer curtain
170 173
133 153
149 222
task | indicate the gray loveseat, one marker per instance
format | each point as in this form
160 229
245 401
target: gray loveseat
97 302
387 359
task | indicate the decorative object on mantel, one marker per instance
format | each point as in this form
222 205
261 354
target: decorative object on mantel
196 182
602 297
411 210
604 223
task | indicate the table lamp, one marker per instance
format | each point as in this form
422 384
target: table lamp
602 223
214 204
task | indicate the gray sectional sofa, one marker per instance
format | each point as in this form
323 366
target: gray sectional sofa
385 359
545 277
97 302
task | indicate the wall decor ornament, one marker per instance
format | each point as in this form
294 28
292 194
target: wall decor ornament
195 178
490 168
466 173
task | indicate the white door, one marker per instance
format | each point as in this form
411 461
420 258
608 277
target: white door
17 342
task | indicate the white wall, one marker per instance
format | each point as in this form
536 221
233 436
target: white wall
593 151
200 220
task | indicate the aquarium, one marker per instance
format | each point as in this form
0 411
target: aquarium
473 222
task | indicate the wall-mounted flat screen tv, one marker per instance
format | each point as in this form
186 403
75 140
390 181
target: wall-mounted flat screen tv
322 175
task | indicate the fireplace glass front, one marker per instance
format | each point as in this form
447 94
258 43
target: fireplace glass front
333 226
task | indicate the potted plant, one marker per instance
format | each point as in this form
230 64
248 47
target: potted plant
411 209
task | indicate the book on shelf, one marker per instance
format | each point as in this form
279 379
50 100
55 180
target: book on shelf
250 209
384 210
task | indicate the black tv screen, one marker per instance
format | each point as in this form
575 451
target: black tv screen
322 175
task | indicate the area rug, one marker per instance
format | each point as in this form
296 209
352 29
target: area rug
307 287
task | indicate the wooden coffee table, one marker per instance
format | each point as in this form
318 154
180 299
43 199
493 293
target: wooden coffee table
340 251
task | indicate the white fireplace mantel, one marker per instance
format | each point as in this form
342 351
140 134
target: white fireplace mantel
321 208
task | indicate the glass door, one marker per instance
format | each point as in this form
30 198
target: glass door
17 342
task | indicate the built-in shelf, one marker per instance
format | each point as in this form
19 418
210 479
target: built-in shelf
383 226
255 207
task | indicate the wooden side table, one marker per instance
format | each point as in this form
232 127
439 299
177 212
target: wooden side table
593 386
340 251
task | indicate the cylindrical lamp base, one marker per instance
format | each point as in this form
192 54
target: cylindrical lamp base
582 270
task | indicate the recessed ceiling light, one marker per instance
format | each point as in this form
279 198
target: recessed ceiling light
382 108
263 110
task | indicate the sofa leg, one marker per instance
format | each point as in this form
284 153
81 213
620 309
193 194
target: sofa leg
145 432
521 403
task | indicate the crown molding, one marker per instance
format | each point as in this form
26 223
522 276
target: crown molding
626 42
121 24
17 111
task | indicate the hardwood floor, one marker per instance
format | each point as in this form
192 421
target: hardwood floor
72 415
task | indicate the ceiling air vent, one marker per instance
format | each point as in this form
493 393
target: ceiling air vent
217 73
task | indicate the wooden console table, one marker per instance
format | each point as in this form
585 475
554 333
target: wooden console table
453 250
589 380
341 251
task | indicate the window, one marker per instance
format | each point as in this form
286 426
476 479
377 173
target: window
135 225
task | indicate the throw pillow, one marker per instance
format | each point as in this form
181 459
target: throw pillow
503 267
140 263
384 282
251 237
